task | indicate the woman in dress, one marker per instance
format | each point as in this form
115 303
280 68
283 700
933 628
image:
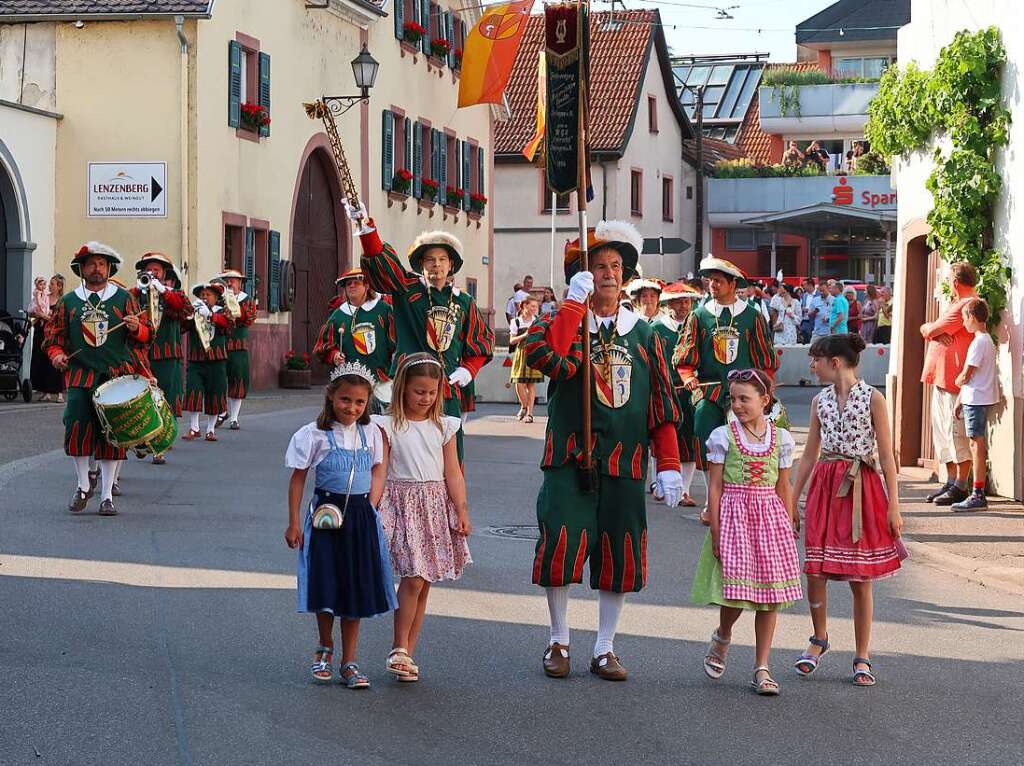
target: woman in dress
524 377
46 379
869 315
786 316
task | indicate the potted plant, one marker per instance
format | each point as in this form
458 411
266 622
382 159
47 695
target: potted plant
255 116
402 182
295 372
477 203
413 32
430 187
440 47
453 197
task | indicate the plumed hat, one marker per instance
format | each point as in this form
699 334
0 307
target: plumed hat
154 256
95 248
620 235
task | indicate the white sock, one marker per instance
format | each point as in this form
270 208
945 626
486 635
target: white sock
609 605
108 475
193 423
118 465
687 470
82 471
211 423
92 463
234 407
558 608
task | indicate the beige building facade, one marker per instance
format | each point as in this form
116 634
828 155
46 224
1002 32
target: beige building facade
157 103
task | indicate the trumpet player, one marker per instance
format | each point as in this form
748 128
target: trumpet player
241 309
158 291
206 387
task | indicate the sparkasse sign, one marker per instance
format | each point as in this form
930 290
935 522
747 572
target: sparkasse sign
127 190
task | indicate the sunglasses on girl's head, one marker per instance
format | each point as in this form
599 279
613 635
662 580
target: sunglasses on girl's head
745 376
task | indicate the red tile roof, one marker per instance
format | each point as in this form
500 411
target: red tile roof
754 142
618 61
714 150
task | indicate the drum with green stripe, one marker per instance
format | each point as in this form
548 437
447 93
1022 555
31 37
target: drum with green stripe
128 411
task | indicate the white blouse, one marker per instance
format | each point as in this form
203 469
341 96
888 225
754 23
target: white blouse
417 451
718 445
309 445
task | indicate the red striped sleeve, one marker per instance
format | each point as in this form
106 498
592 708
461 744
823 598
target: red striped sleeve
686 356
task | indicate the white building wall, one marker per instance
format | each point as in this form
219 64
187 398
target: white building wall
933 25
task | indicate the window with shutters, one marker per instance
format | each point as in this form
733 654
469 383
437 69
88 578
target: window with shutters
248 87
234 244
261 260
458 41
667 187
426 165
471 287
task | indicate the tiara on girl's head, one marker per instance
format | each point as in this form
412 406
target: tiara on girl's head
353 368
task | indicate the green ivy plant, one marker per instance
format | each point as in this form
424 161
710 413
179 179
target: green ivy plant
962 98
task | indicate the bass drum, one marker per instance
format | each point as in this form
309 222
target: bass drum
128 409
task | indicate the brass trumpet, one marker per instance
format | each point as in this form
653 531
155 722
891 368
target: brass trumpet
153 306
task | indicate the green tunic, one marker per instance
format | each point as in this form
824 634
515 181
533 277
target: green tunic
670 330
365 334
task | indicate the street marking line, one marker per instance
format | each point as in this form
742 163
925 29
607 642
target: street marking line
677 623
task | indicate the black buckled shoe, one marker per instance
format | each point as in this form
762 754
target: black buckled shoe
94 479
107 508
234 425
116 490
78 501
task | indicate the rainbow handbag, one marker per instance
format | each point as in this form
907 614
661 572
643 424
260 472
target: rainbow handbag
328 516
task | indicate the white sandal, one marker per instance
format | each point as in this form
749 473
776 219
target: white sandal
714 662
400 665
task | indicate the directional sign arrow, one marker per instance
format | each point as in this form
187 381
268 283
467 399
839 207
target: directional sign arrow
156 189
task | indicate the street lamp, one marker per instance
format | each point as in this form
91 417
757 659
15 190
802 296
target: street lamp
364 70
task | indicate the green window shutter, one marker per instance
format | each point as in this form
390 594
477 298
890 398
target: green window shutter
467 172
425 9
249 266
480 171
417 159
407 160
274 291
265 88
442 177
449 34
399 13
435 154
387 154
234 84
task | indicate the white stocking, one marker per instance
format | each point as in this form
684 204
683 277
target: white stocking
193 423
211 423
108 475
609 606
234 407
118 465
558 608
82 471
687 470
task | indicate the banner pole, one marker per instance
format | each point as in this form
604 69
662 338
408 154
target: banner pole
581 207
551 260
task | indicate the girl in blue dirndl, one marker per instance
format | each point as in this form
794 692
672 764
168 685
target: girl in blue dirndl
344 569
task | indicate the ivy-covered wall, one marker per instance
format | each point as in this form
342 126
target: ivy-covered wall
959 99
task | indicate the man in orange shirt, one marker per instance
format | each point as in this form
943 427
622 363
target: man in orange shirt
948 341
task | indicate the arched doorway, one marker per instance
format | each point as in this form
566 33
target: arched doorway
913 434
321 247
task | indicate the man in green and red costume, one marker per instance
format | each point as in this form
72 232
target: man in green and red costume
431 313
97 332
633 410
237 345
679 299
206 382
173 307
362 329
724 333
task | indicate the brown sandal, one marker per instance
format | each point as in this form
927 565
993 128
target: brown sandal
191 435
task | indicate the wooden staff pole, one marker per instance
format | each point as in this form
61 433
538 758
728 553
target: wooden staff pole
581 207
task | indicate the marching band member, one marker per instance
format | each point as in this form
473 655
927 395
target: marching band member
645 295
633 410
431 314
206 385
237 345
720 335
172 305
362 329
97 333
680 299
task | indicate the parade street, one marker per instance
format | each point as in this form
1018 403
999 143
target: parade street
168 634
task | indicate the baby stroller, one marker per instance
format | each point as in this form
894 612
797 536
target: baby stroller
14 334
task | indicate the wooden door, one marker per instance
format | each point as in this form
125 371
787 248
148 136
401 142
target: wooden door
316 254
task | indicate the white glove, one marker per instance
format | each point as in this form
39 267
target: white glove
360 216
461 377
580 287
159 286
203 310
670 486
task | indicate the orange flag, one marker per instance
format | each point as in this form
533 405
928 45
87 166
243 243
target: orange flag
530 150
490 52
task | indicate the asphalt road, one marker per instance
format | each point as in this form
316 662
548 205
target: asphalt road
168 635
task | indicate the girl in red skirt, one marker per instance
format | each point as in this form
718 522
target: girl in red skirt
852 521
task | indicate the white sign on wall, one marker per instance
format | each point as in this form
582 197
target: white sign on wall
127 190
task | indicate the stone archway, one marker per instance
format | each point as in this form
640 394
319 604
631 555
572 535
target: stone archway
15 232
321 245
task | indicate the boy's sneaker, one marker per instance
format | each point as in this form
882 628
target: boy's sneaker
974 503
952 496
940 491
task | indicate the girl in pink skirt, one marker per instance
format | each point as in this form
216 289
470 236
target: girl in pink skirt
424 510
852 521
749 559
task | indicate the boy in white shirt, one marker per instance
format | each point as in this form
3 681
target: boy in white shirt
979 388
